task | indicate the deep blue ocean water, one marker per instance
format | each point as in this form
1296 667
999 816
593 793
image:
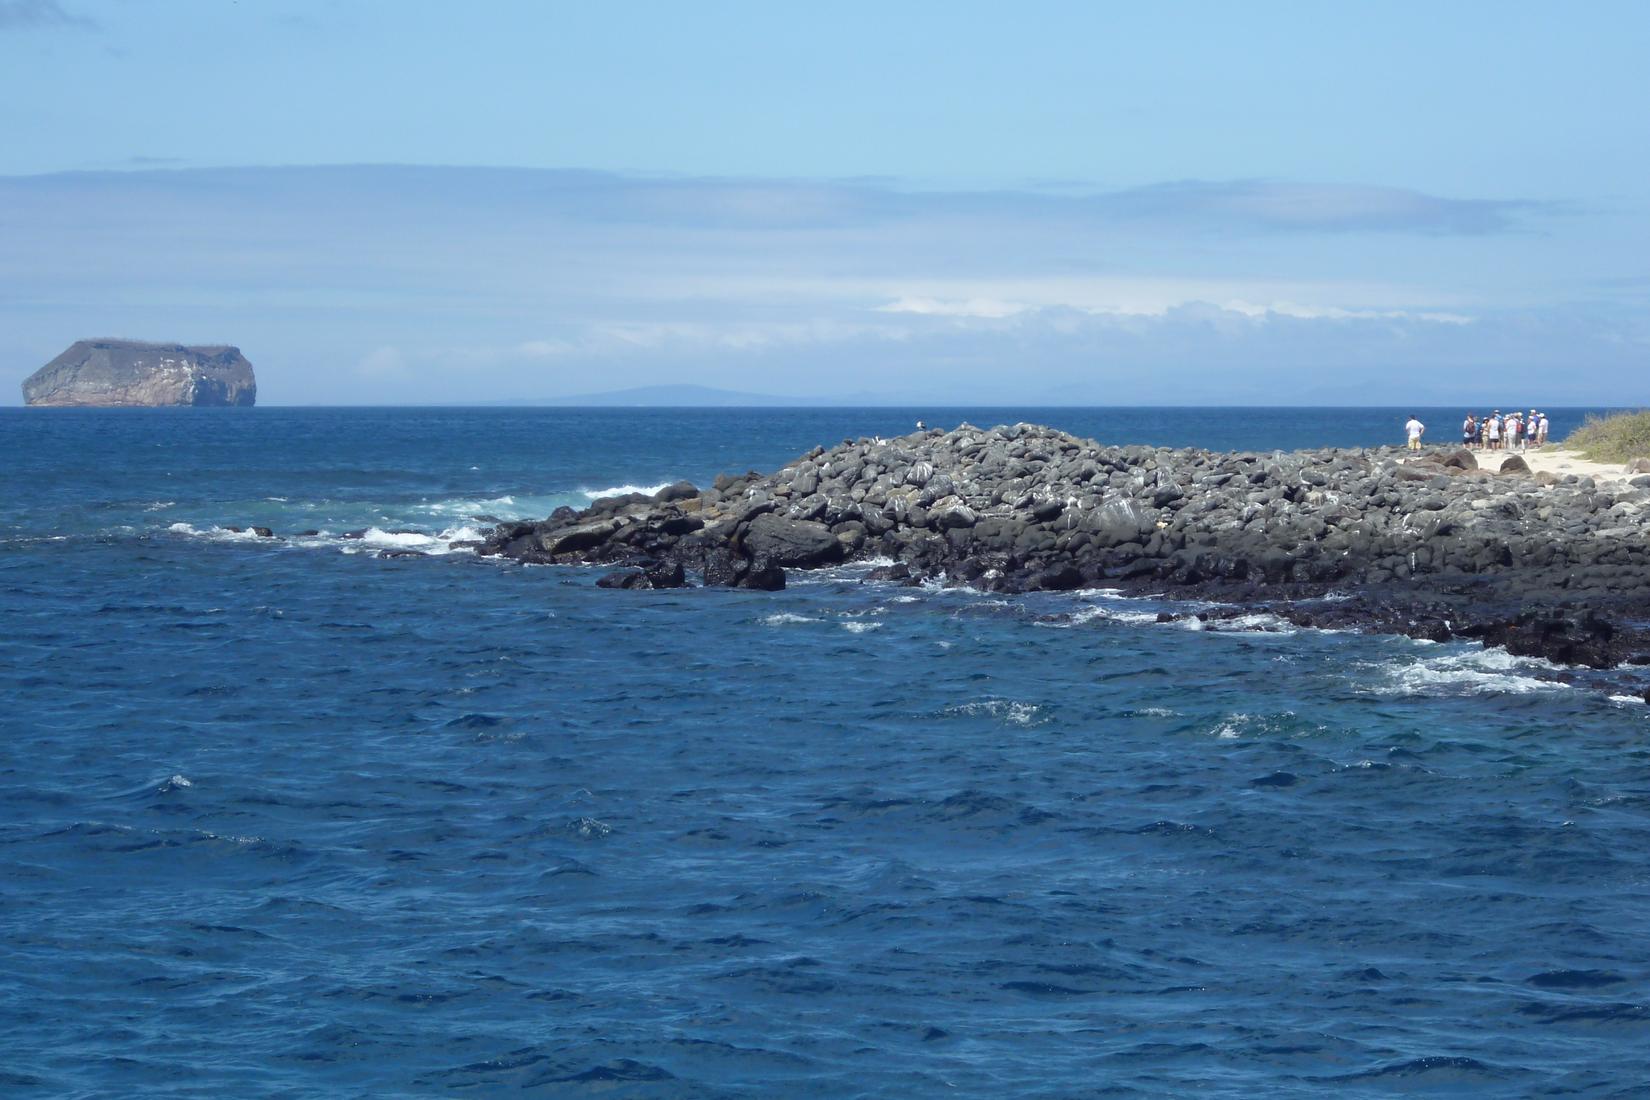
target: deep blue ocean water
285 818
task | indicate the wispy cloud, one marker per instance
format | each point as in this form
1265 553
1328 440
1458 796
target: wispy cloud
458 284
1322 208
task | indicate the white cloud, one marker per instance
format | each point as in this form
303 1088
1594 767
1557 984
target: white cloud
545 282
970 307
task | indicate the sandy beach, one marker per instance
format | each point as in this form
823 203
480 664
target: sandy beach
1558 461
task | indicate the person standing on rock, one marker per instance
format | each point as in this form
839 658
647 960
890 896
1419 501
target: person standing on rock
1469 431
1495 430
1541 431
1414 429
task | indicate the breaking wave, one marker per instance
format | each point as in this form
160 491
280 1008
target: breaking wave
1474 672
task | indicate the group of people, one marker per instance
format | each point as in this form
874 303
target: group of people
1495 432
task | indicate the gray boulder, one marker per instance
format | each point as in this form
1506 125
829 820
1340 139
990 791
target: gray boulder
1462 459
792 542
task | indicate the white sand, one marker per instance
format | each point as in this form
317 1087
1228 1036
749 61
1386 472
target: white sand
1557 461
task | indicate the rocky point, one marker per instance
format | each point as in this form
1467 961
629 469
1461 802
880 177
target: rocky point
1431 545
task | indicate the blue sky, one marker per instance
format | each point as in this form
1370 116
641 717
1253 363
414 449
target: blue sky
1096 203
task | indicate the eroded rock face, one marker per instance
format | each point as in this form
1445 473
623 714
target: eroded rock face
106 373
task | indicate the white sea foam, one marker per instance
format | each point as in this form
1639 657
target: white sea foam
373 540
216 534
1258 622
787 618
1008 711
465 506
158 505
622 490
1473 672
861 628
395 540
1110 614
1626 699
377 539
1242 724
510 506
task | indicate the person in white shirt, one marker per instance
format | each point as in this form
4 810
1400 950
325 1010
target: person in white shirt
1414 429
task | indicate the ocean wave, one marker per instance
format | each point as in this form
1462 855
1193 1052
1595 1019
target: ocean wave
216 534
1241 724
1010 712
787 618
1255 622
374 540
508 506
1108 613
623 490
1475 672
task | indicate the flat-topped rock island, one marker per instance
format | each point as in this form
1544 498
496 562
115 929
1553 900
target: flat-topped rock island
1431 545
121 373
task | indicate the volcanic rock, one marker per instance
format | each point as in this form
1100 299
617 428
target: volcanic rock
1421 545
99 373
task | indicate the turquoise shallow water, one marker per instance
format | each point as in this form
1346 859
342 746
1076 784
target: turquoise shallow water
284 818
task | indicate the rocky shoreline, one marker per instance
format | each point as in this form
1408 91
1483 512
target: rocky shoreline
1429 545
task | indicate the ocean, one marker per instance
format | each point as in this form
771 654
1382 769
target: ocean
287 817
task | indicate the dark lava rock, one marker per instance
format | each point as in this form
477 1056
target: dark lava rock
129 372
681 490
766 577
668 575
789 542
1514 464
263 532
1462 459
1408 543
1060 578
659 575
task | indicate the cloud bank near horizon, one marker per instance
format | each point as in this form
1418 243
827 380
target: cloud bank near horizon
413 284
